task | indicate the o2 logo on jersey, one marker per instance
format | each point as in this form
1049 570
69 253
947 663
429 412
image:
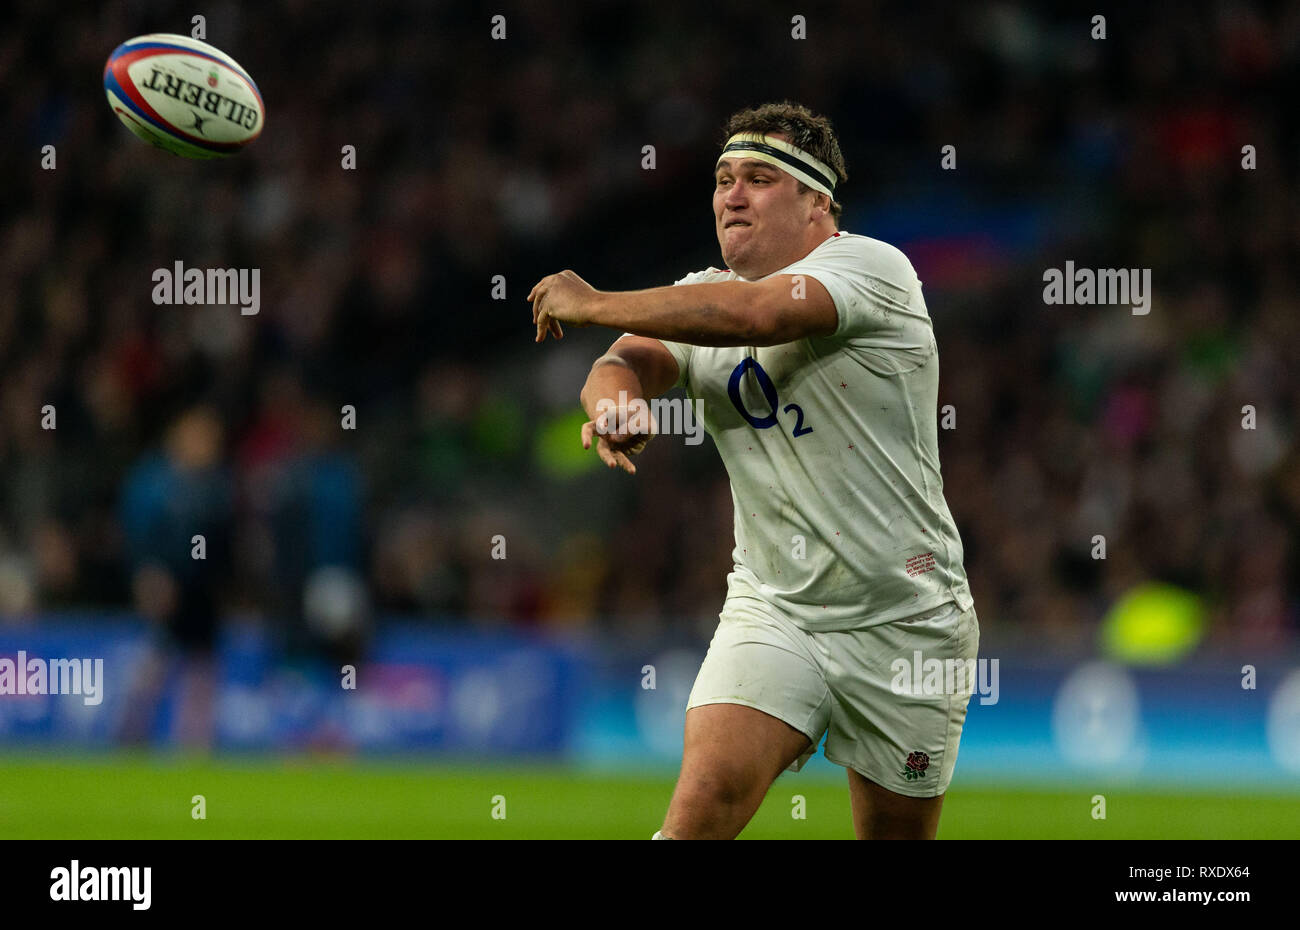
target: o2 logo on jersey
769 394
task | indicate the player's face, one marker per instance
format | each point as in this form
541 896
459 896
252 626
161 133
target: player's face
760 216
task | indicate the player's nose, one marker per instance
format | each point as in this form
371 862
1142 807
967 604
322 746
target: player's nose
733 209
736 197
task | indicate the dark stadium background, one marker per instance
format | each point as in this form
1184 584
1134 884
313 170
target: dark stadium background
521 157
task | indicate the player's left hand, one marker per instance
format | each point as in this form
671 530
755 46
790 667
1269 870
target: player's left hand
557 298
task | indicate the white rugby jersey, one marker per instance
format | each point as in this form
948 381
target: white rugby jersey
832 449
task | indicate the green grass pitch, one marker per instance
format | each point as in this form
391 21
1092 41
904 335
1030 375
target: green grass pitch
134 797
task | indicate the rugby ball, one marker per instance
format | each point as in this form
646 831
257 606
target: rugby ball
183 95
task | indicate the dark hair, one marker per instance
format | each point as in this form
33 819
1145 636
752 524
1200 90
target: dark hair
802 129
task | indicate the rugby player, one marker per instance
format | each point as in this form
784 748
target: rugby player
815 359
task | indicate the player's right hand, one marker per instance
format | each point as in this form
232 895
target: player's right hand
619 434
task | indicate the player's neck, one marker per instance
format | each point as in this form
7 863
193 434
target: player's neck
812 241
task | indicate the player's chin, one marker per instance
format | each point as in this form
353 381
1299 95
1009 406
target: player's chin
732 249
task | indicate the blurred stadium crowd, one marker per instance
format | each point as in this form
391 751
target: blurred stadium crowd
523 156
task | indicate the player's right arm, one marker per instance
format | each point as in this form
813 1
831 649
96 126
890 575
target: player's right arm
639 369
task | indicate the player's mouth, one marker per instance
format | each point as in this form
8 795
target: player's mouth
731 223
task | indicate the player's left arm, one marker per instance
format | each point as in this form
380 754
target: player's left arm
776 310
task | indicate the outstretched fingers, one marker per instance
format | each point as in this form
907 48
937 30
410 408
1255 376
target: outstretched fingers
614 459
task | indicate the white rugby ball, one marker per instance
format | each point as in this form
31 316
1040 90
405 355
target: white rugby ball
183 95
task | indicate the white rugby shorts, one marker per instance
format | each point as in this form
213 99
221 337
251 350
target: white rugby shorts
896 730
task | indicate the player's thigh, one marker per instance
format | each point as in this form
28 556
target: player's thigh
760 701
738 749
881 814
900 693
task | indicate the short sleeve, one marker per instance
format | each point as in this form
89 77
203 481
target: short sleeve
877 299
681 351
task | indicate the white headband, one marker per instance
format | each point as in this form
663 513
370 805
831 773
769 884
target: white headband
788 158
